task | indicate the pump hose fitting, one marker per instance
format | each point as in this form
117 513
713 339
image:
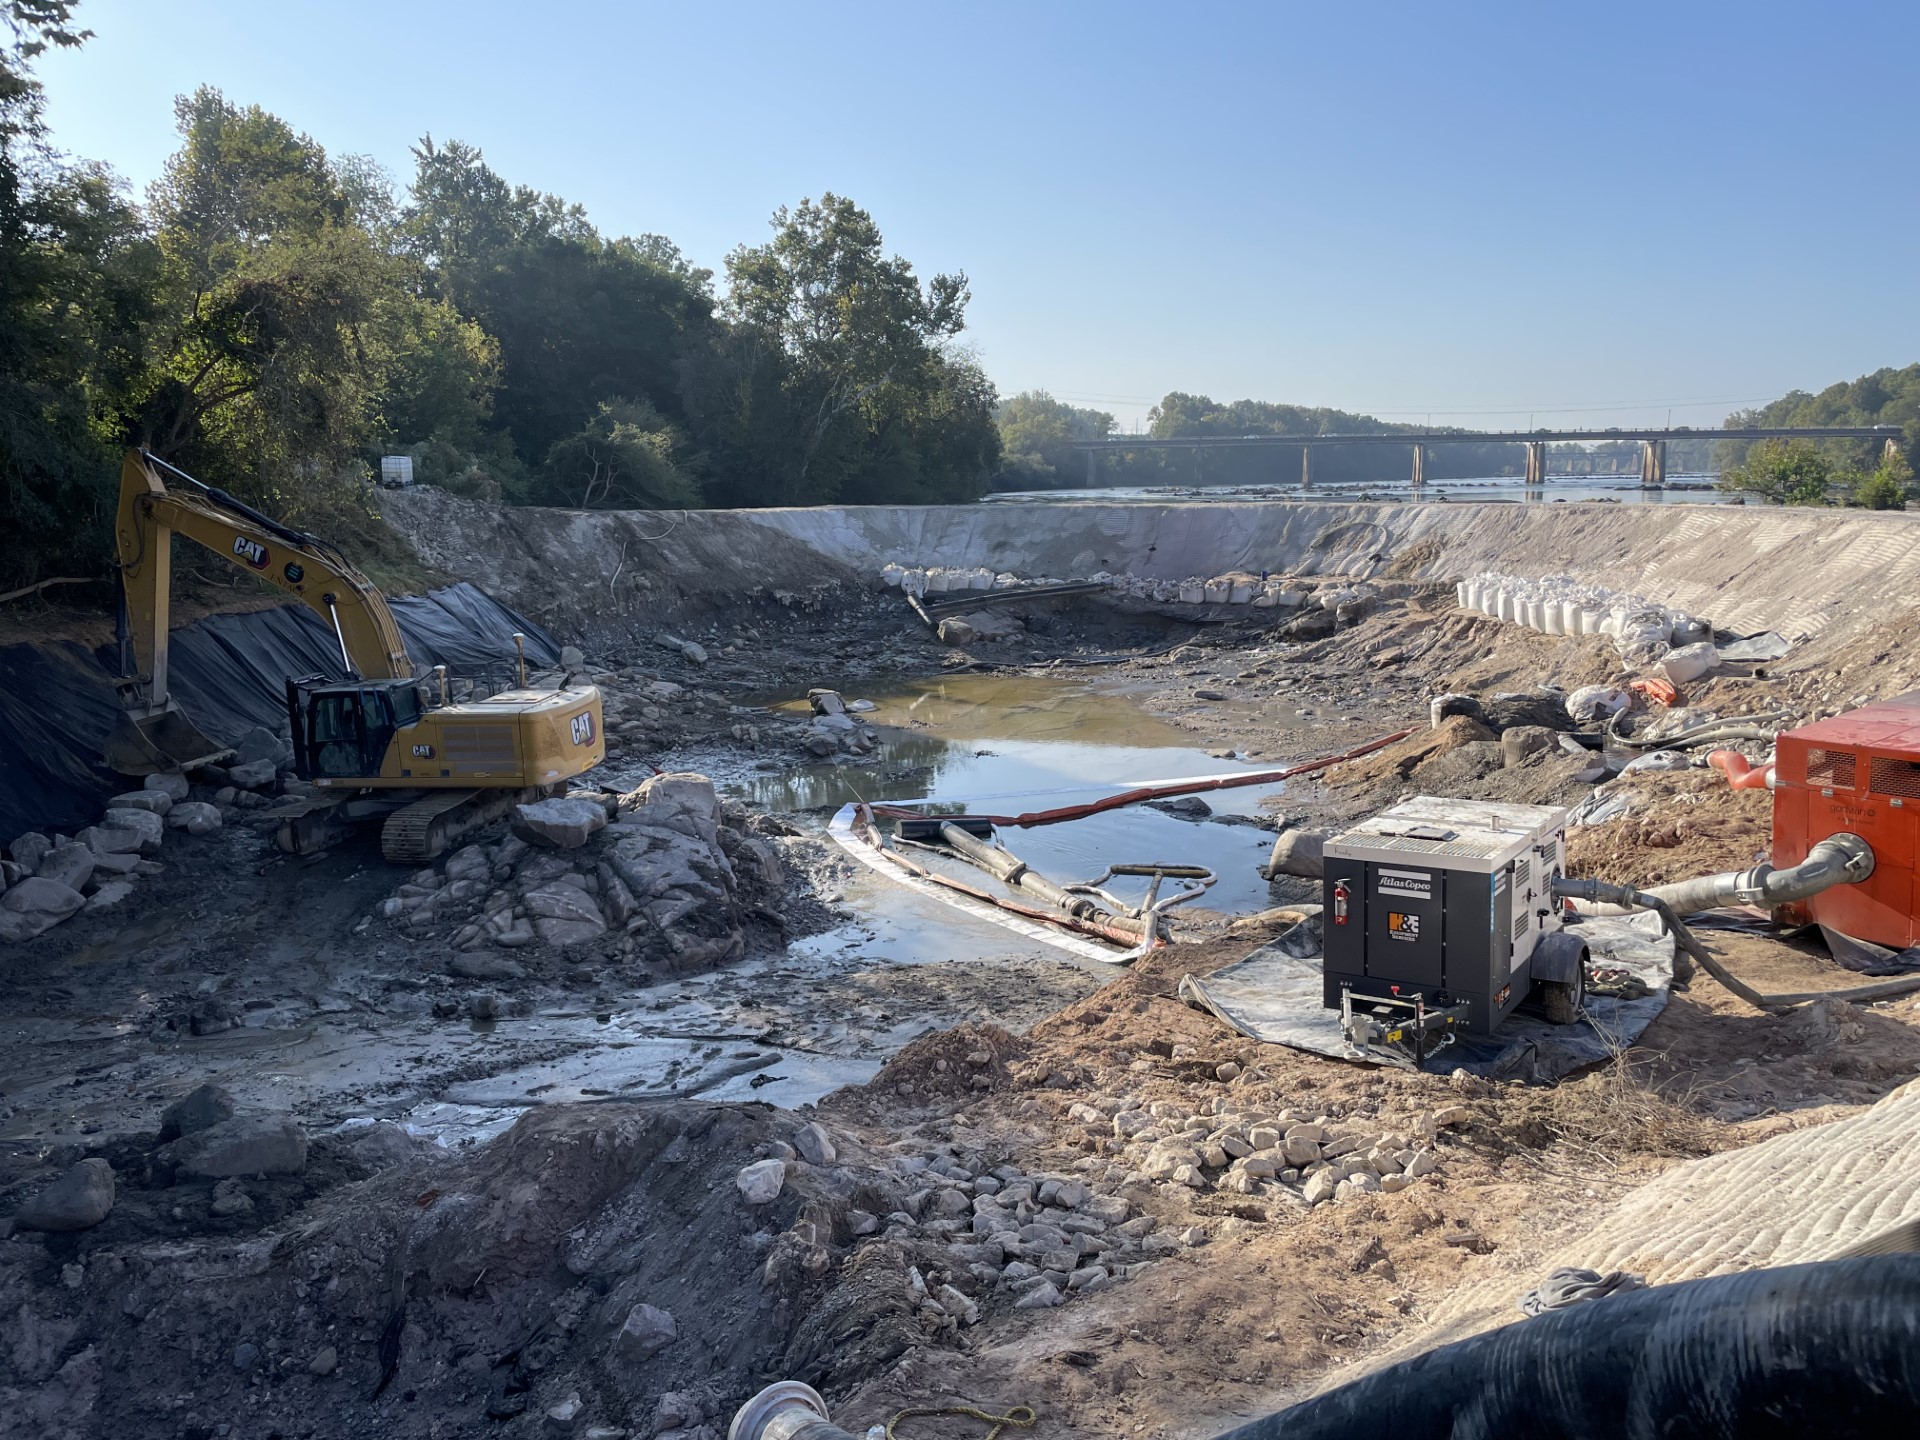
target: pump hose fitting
787 1410
1631 898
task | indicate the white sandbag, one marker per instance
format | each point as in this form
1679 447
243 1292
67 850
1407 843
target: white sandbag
1658 760
1594 704
1689 662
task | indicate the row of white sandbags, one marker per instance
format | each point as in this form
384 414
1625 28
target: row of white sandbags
1561 605
944 580
1235 588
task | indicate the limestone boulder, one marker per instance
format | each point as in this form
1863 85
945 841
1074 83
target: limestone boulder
79 1200
30 849
158 801
564 822
257 1144
199 1109
108 895
172 784
148 826
260 744
761 1182
196 817
70 865
35 906
678 801
559 900
814 1144
254 775
646 1331
655 864
1298 852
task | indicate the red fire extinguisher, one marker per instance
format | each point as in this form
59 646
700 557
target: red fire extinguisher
1340 893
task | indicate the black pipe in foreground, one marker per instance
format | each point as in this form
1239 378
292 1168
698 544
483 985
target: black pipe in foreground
1829 1349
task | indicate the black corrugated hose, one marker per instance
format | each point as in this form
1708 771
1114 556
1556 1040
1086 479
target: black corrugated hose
1829 1350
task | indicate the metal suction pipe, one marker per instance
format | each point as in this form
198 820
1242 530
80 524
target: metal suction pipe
786 1410
1841 859
1625 895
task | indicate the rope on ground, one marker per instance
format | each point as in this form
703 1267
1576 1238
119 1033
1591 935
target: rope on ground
1020 1417
36 589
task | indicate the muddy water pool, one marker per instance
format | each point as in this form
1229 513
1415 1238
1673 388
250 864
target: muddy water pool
1014 744
329 1038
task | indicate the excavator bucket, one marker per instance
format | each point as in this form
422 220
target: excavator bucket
168 740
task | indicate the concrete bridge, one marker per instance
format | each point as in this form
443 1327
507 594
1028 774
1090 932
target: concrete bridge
1653 443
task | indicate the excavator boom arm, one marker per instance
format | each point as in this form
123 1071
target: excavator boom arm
305 568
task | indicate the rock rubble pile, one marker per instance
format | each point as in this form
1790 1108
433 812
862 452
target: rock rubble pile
664 873
48 878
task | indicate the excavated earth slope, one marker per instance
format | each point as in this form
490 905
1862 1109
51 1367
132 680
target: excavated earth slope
1744 568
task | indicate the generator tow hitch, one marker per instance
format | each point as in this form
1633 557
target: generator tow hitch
1399 1027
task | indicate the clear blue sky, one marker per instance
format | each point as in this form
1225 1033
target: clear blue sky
1458 208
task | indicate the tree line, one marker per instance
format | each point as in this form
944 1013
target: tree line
273 318
1039 433
1862 473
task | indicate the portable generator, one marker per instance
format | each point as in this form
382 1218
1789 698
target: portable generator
1857 773
1439 918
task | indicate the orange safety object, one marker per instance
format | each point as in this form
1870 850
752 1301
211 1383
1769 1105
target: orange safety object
1659 691
1740 775
1858 773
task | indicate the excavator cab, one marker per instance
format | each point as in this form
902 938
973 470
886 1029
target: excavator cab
343 730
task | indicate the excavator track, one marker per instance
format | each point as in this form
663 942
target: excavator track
311 825
416 833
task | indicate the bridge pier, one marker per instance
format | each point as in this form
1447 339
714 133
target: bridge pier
1093 469
1536 464
1419 465
1306 467
1653 462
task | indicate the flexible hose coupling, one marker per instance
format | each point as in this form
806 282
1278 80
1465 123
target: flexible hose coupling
786 1410
1602 892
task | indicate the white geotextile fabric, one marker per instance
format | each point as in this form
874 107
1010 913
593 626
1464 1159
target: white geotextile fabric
1805 1195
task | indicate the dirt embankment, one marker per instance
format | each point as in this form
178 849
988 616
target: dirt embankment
1805 573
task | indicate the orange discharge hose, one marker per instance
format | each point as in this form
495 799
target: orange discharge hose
1162 792
1740 775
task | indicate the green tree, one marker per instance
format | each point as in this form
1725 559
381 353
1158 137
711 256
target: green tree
857 340
272 293
1790 472
1887 487
1037 435
578 318
1886 397
37 26
294 339
75 277
623 458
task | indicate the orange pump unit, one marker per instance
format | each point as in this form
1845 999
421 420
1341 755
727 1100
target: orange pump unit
1858 772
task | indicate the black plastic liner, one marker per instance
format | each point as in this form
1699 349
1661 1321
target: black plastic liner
1829 1349
229 673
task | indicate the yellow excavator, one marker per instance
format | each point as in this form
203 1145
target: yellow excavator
381 745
